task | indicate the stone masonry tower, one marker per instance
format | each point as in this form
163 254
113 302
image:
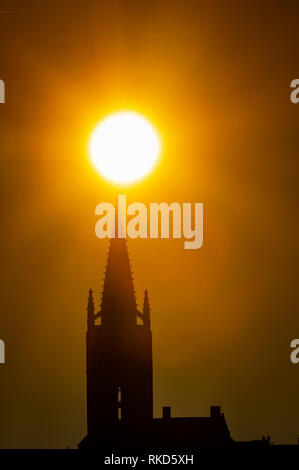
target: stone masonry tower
119 350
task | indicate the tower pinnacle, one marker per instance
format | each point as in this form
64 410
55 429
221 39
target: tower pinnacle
146 311
90 310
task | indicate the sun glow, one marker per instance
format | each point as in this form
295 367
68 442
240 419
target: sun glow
124 147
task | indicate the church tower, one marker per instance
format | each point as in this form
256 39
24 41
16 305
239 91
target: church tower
118 349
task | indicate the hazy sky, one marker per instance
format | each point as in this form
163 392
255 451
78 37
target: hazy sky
214 78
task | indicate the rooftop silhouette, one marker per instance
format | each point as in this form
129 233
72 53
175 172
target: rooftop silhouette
120 373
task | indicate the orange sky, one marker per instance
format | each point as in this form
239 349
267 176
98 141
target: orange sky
214 79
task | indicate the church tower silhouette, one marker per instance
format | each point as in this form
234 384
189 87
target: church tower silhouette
118 349
120 374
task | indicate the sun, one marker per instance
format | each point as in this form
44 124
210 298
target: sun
124 147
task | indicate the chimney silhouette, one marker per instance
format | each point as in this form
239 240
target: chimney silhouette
166 412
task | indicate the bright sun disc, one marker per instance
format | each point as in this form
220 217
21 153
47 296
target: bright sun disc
124 147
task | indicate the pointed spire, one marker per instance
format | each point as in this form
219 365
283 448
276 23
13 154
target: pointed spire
90 310
146 311
118 308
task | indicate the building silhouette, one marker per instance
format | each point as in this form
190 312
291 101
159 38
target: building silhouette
120 374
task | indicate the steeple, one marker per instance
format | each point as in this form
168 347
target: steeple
90 310
118 307
118 351
146 311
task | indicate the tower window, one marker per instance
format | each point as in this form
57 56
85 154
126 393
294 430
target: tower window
119 403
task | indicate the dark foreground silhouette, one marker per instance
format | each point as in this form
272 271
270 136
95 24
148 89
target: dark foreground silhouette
120 377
